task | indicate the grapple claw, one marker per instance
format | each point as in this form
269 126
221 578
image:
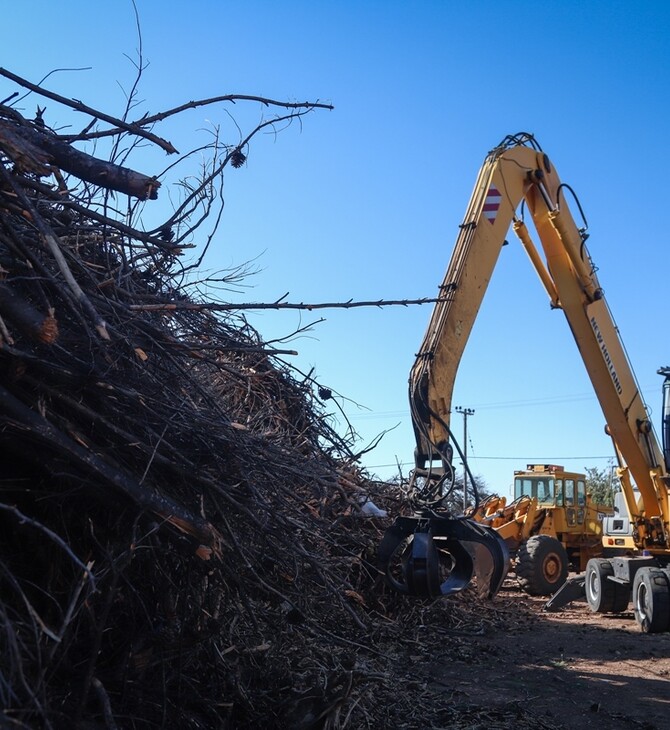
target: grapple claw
439 556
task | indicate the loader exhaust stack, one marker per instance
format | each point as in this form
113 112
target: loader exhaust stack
666 416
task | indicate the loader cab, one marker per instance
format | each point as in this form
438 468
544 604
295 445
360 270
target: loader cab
552 486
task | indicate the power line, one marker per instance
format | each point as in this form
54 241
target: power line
526 458
544 458
494 405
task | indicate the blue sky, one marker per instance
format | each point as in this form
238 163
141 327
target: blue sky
363 202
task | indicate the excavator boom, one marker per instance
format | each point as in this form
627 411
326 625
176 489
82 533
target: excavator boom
502 183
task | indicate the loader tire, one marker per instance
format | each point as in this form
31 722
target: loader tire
603 595
542 565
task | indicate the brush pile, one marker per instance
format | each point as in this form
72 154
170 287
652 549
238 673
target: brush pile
182 543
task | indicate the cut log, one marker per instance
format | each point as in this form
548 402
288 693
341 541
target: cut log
46 147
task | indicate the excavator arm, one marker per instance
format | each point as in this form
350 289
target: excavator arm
518 174
507 176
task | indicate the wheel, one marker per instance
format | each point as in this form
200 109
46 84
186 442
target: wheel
651 600
542 565
603 595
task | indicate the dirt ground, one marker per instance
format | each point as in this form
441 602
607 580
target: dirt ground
570 669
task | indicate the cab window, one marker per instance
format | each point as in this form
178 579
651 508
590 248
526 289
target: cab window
540 488
581 493
523 487
559 492
545 491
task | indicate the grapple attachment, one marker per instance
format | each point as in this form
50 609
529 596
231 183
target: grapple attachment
439 555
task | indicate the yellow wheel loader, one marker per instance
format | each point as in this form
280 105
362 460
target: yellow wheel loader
550 528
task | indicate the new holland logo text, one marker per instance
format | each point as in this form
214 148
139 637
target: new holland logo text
606 356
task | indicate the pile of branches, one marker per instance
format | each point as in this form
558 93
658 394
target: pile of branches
182 539
164 478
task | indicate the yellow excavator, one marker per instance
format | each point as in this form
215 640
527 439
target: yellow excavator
433 552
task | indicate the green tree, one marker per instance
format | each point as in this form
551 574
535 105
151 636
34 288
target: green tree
602 484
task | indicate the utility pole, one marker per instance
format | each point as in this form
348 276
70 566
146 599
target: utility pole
465 412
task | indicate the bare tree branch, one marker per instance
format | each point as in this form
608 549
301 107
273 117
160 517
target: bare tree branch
81 107
223 307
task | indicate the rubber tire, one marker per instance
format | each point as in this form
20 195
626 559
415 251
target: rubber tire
542 565
651 600
603 595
